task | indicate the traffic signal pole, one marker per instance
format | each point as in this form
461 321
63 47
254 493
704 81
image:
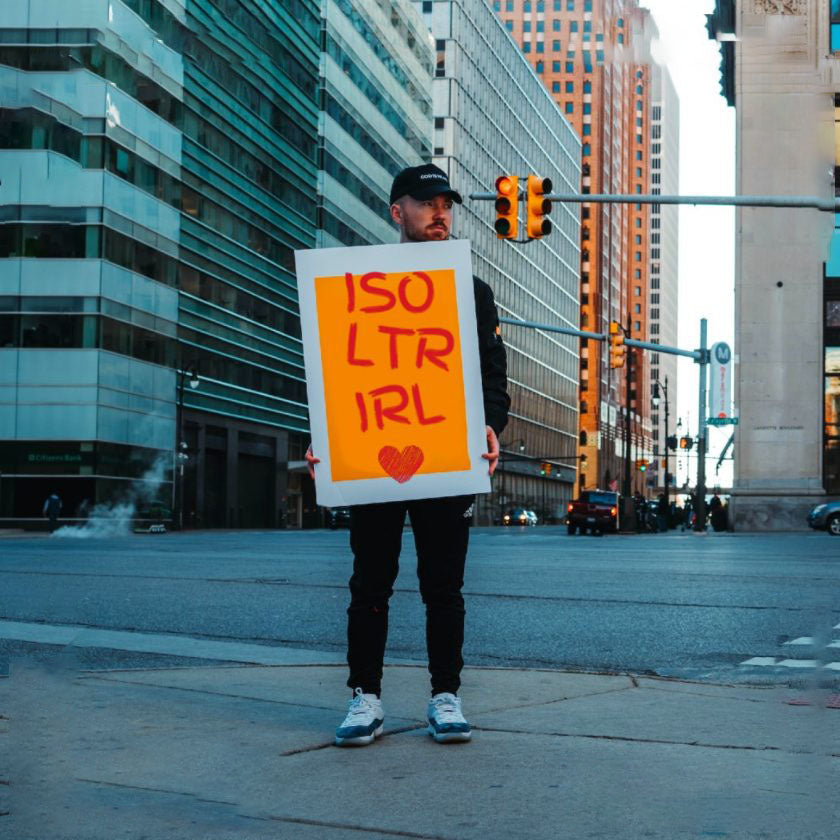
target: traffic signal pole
700 520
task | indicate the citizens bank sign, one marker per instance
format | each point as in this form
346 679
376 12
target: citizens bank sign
720 382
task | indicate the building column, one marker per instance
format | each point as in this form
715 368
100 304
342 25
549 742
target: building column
231 493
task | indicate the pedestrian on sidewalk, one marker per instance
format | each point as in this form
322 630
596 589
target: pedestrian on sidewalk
52 510
421 205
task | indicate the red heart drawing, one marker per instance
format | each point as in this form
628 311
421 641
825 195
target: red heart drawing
401 465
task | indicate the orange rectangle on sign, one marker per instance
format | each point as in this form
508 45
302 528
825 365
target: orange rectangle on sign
393 376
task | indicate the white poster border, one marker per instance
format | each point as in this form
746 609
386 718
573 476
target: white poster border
405 257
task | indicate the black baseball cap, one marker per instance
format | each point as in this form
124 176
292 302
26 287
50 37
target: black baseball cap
422 182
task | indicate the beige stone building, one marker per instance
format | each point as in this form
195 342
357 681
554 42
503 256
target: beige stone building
781 72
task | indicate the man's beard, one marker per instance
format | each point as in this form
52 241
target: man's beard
417 234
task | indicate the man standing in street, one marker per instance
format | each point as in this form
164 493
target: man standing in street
421 205
52 510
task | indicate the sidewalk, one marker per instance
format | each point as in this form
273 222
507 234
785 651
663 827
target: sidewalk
246 752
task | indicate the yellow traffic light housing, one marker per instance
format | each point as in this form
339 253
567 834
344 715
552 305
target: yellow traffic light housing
538 206
618 351
507 206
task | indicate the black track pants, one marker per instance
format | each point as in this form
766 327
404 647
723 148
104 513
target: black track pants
441 534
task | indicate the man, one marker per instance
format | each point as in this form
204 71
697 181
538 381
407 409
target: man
52 510
421 205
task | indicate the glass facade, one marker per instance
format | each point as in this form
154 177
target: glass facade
493 116
171 161
376 100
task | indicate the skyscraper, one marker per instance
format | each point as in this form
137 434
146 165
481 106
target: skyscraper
158 162
493 116
594 58
780 65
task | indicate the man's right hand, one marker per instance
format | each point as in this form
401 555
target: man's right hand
311 460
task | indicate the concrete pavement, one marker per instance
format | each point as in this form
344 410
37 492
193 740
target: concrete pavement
246 752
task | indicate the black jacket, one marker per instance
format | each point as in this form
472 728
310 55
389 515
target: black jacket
493 358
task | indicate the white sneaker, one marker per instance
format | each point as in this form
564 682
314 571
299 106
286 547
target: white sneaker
363 723
446 722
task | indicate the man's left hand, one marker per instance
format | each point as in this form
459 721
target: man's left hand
492 454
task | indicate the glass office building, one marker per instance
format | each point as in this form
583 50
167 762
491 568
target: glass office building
376 99
159 166
493 116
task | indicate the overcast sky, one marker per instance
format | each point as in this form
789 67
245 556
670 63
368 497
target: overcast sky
707 167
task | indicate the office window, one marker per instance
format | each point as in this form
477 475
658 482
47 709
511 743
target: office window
556 25
620 37
539 67
570 87
509 25
587 129
637 326
526 46
570 5
540 5
555 87
555 46
587 5
508 5
587 107
540 46
638 239
540 26
587 26
526 6
573 26
587 87
526 26
637 273
638 172
637 291
570 67
558 5
497 5
639 155
586 150
438 122
599 36
555 66
637 308
570 107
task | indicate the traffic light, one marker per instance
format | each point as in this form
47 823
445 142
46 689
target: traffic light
686 442
507 206
672 442
618 352
538 206
642 464
545 468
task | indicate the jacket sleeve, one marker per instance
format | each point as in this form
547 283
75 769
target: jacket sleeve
493 358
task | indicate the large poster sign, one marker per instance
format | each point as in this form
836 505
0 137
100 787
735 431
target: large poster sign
392 372
720 382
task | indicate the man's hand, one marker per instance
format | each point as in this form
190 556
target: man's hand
311 460
492 454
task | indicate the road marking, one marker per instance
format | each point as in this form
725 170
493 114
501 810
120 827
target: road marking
802 640
799 663
774 662
74 636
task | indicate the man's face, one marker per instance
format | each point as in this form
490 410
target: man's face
423 221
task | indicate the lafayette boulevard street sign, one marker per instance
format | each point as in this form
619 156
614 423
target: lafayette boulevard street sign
722 421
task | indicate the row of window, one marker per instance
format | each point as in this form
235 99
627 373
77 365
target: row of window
87 331
556 5
539 26
556 46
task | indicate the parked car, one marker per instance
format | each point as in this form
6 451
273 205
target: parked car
593 510
338 517
826 517
519 516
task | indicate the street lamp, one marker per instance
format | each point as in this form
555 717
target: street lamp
655 399
188 374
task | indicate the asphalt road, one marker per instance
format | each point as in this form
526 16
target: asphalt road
691 606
